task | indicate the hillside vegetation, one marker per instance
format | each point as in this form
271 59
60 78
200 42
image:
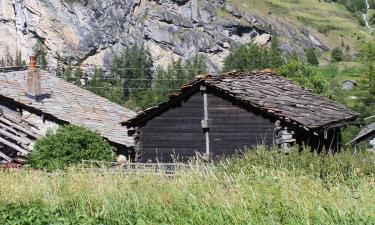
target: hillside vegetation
262 187
337 25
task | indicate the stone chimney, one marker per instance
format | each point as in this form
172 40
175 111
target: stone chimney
33 86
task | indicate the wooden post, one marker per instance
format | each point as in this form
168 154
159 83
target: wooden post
205 125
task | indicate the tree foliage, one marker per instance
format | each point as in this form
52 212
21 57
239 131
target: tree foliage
337 55
252 56
305 74
312 57
41 51
175 75
367 57
134 67
107 87
68 146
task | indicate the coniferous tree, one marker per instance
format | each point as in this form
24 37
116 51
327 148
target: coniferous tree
134 67
77 76
58 71
176 74
312 57
277 58
367 57
337 55
18 58
252 56
9 58
106 87
68 74
40 53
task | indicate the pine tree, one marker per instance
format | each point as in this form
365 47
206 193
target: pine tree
18 58
311 57
40 53
68 74
58 71
337 55
8 57
277 58
134 66
251 56
77 76
367 57
108 88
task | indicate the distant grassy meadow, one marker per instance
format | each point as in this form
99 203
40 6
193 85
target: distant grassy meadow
260 187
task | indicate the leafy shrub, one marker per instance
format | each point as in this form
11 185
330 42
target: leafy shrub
306 75
69 145
326 28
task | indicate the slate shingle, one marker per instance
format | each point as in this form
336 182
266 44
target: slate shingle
72 104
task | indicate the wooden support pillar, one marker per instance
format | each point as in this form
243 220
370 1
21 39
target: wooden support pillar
284 136
205 124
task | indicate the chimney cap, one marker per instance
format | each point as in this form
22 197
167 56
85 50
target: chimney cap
32 63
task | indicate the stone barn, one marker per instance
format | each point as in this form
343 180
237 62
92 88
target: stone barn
33 101
221 115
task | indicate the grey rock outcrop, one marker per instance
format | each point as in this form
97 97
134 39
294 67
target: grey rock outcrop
92 31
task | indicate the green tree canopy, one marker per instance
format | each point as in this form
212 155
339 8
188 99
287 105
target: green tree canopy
252 56
337 55
40 51
175 75
312 57
305 74
134 67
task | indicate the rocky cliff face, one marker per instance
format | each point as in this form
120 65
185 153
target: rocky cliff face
92 31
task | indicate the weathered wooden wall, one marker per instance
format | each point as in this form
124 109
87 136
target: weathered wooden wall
178 131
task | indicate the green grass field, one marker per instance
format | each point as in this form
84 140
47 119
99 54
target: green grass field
332 21
261 188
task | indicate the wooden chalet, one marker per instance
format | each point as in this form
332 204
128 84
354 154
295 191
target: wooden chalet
33 101
221 115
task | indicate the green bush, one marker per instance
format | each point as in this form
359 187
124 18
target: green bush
306 75
69 145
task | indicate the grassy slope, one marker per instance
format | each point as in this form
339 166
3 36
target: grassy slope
317 15
262 188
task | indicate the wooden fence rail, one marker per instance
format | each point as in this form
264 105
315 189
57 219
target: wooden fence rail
167 169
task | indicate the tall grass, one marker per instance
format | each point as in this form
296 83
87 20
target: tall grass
260 187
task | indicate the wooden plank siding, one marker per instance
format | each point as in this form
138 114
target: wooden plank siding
178 130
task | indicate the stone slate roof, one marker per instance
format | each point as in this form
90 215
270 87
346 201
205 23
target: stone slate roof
367 132
69 103
271 93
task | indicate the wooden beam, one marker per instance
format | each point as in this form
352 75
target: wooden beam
14 146
18 121
7 158
10 129
14 137
26 131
